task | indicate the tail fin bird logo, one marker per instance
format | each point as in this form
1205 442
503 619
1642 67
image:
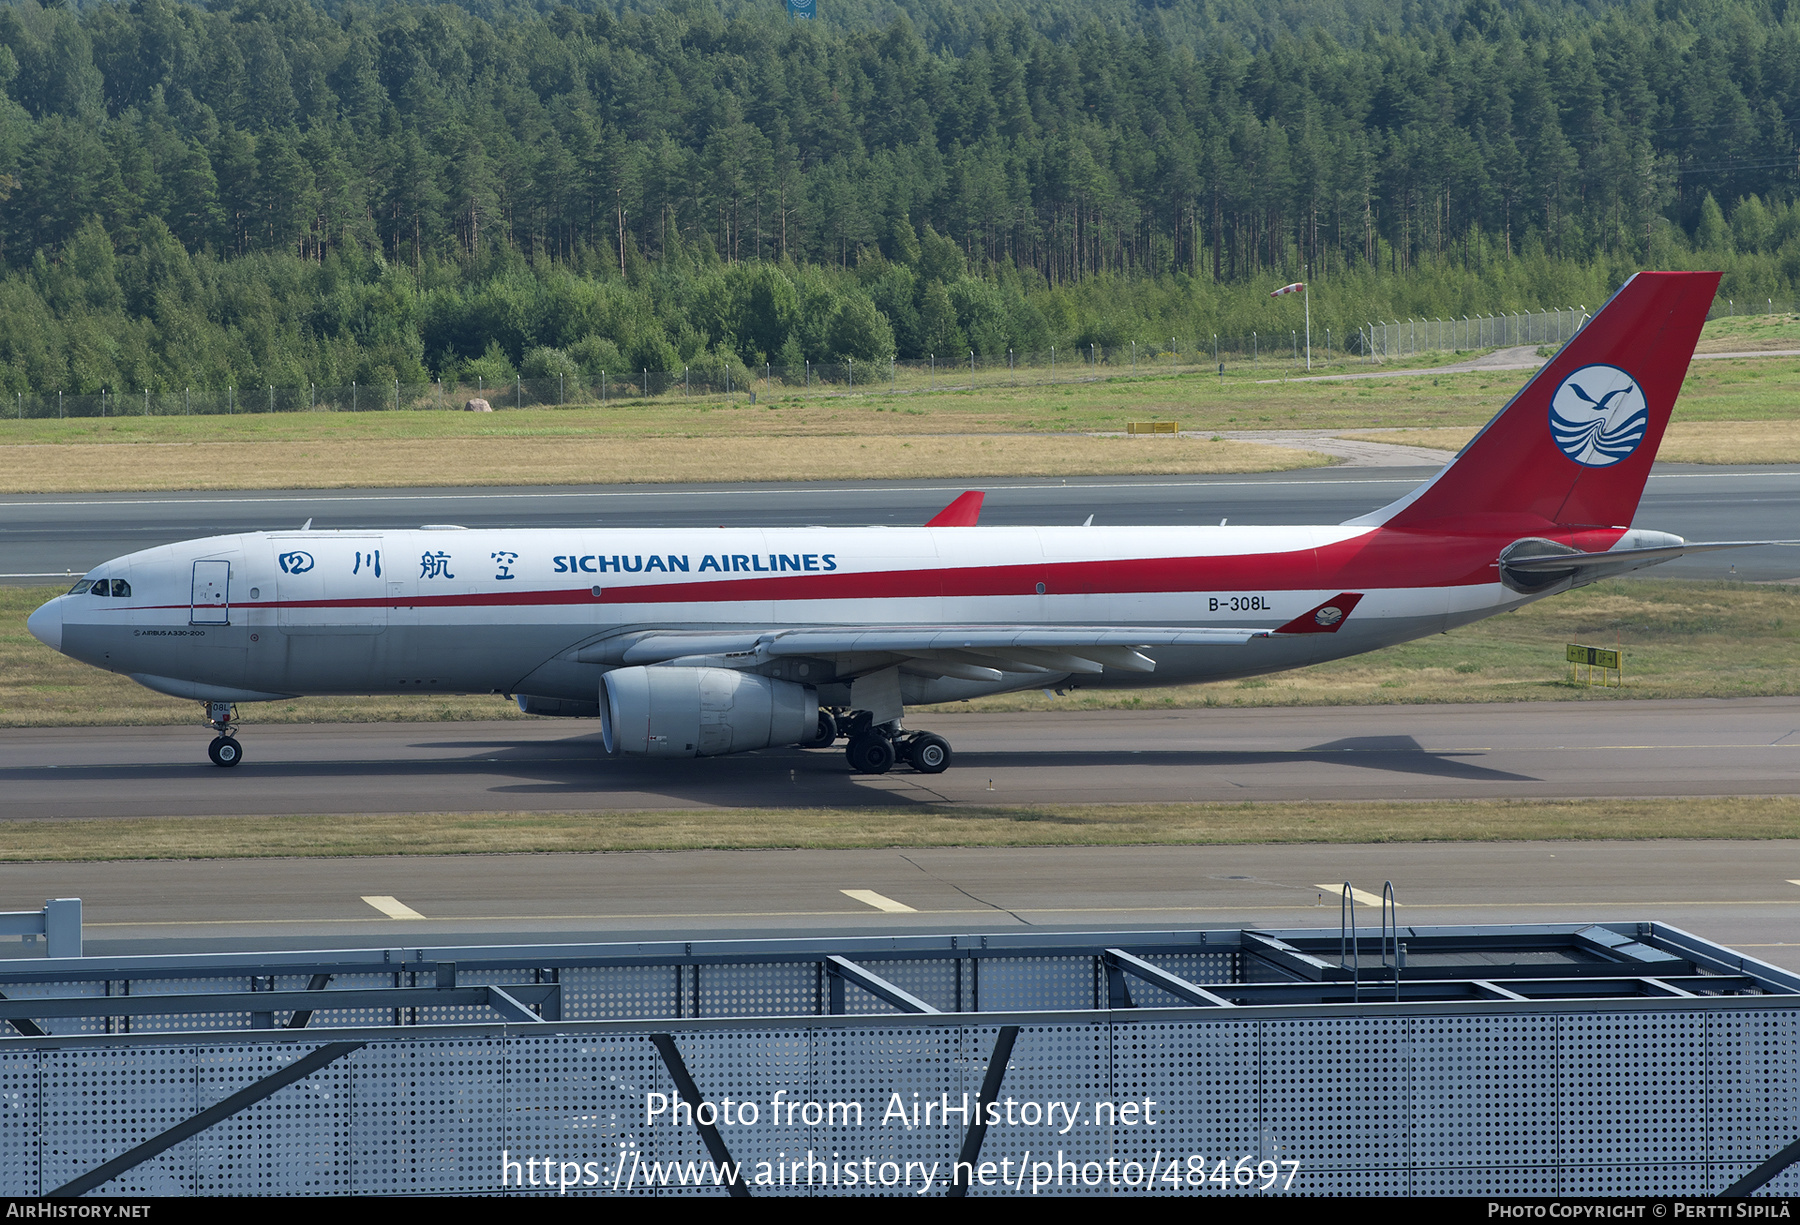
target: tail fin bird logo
1598 416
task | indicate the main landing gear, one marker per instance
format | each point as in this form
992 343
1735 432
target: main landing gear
876 749
224 750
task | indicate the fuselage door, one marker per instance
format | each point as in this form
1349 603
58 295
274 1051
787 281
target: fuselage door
212 593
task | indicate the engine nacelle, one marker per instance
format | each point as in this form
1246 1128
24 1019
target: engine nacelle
702 712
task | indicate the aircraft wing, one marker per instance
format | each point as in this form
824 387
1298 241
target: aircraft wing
968 651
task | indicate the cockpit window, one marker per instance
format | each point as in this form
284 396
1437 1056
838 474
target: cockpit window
102 587
81 587
120 588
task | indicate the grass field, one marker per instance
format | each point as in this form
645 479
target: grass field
1686 442
489 833
1681 640
991 430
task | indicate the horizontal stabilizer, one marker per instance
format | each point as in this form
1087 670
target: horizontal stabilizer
1642 557
1534 565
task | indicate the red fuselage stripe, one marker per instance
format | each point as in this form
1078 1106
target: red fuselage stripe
1378 559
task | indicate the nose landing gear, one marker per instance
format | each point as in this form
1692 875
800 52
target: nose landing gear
224 750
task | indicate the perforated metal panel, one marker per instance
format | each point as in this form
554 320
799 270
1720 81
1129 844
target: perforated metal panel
756 1066
1328 1181
68 990
1205 1081
19 1109
1499 1180
1633 1092
294 1142
758 990
938 983
1069 1065
1670 1179
1040 984
98 1104
1785 1183
1335 1093
1484 1092
1753 1084
578 1099
939 1063
1679 1096
604 993
324 1017
429 1116
1206 969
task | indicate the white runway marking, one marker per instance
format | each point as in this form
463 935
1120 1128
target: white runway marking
393 907
871 898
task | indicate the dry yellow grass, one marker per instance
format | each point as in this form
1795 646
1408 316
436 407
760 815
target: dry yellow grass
486 833
1686 442
334 463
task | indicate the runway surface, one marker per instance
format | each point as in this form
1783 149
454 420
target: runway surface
1627 748
1739 893
46 535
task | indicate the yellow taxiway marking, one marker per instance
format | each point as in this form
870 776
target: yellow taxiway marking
393 907
871 898
1361 898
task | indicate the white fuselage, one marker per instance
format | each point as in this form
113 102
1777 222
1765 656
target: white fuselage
547 611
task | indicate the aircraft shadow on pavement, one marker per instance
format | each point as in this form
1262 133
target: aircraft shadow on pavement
576 767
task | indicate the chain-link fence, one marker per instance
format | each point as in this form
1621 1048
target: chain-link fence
1379 341
1278 350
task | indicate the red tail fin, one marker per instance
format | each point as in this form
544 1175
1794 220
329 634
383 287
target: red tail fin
964 512
1574 447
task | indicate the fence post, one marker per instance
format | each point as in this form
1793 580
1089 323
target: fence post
850 371
62 927
603 389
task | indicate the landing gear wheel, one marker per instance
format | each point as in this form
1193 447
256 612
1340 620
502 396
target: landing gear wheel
827 732
225 751
870 754
928 754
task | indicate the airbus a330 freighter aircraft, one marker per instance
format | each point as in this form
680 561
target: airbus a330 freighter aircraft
690 643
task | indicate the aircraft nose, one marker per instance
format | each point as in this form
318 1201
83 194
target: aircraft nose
46 624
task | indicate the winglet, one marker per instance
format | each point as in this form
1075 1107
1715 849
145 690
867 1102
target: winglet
964 512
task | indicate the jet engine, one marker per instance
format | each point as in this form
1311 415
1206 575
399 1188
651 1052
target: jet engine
702 712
